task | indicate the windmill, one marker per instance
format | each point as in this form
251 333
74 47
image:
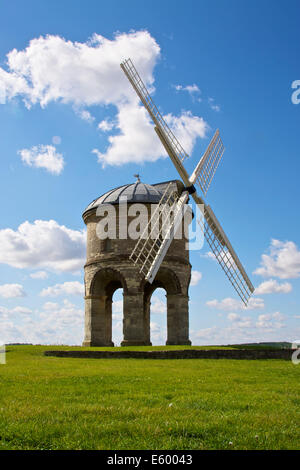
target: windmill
149 252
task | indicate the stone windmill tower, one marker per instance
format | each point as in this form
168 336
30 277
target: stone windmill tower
141 265
109 267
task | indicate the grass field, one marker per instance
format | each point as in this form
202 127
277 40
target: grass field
59 403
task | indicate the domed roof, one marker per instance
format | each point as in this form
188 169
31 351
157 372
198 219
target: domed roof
135 192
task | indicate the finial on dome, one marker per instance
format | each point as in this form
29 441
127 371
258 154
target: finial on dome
138 179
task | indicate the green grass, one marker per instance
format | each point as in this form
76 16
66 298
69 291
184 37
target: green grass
62 403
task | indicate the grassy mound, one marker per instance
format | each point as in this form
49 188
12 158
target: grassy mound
60 403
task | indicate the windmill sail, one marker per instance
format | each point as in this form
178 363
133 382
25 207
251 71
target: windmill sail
154 242
207 166
225 254
141 90
150 254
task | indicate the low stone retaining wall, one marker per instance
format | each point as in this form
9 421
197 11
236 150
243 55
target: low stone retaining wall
179 354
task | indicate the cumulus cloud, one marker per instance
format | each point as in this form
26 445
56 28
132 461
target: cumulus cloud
158 306
43 244
67 288
283 261
193 90
270 321
272 286
61 324
106 125
14 313
22 310
266 327
187 128
43 156
213 105
255 303
83 74
117 310
8 291
233 316
205 333
229 304
52 69
137 141
39 275
50 306
196 277
239 321
84 114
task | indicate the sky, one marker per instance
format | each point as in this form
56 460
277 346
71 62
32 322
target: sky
71 128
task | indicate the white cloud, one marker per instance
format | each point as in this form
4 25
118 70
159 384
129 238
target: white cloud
43 244
154 327
193 90
158 306
84 114
228 304
196 277
267 327
209 255
43 156
233 316
50 306
225 304
272 286
53 69
22 310
239 321
270 321
67 288
117 310
206 333
61 324
137 141
39 275
9 312
106 125
255 303
213 106
283 261
187 128
8 291
158 333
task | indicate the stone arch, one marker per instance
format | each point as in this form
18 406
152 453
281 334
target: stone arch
107 280
98 305
177 306
165 278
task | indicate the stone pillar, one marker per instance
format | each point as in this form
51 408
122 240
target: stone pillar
108 320
133 320
97 321
178 319
147 305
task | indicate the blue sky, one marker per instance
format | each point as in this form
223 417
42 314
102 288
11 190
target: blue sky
71 129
